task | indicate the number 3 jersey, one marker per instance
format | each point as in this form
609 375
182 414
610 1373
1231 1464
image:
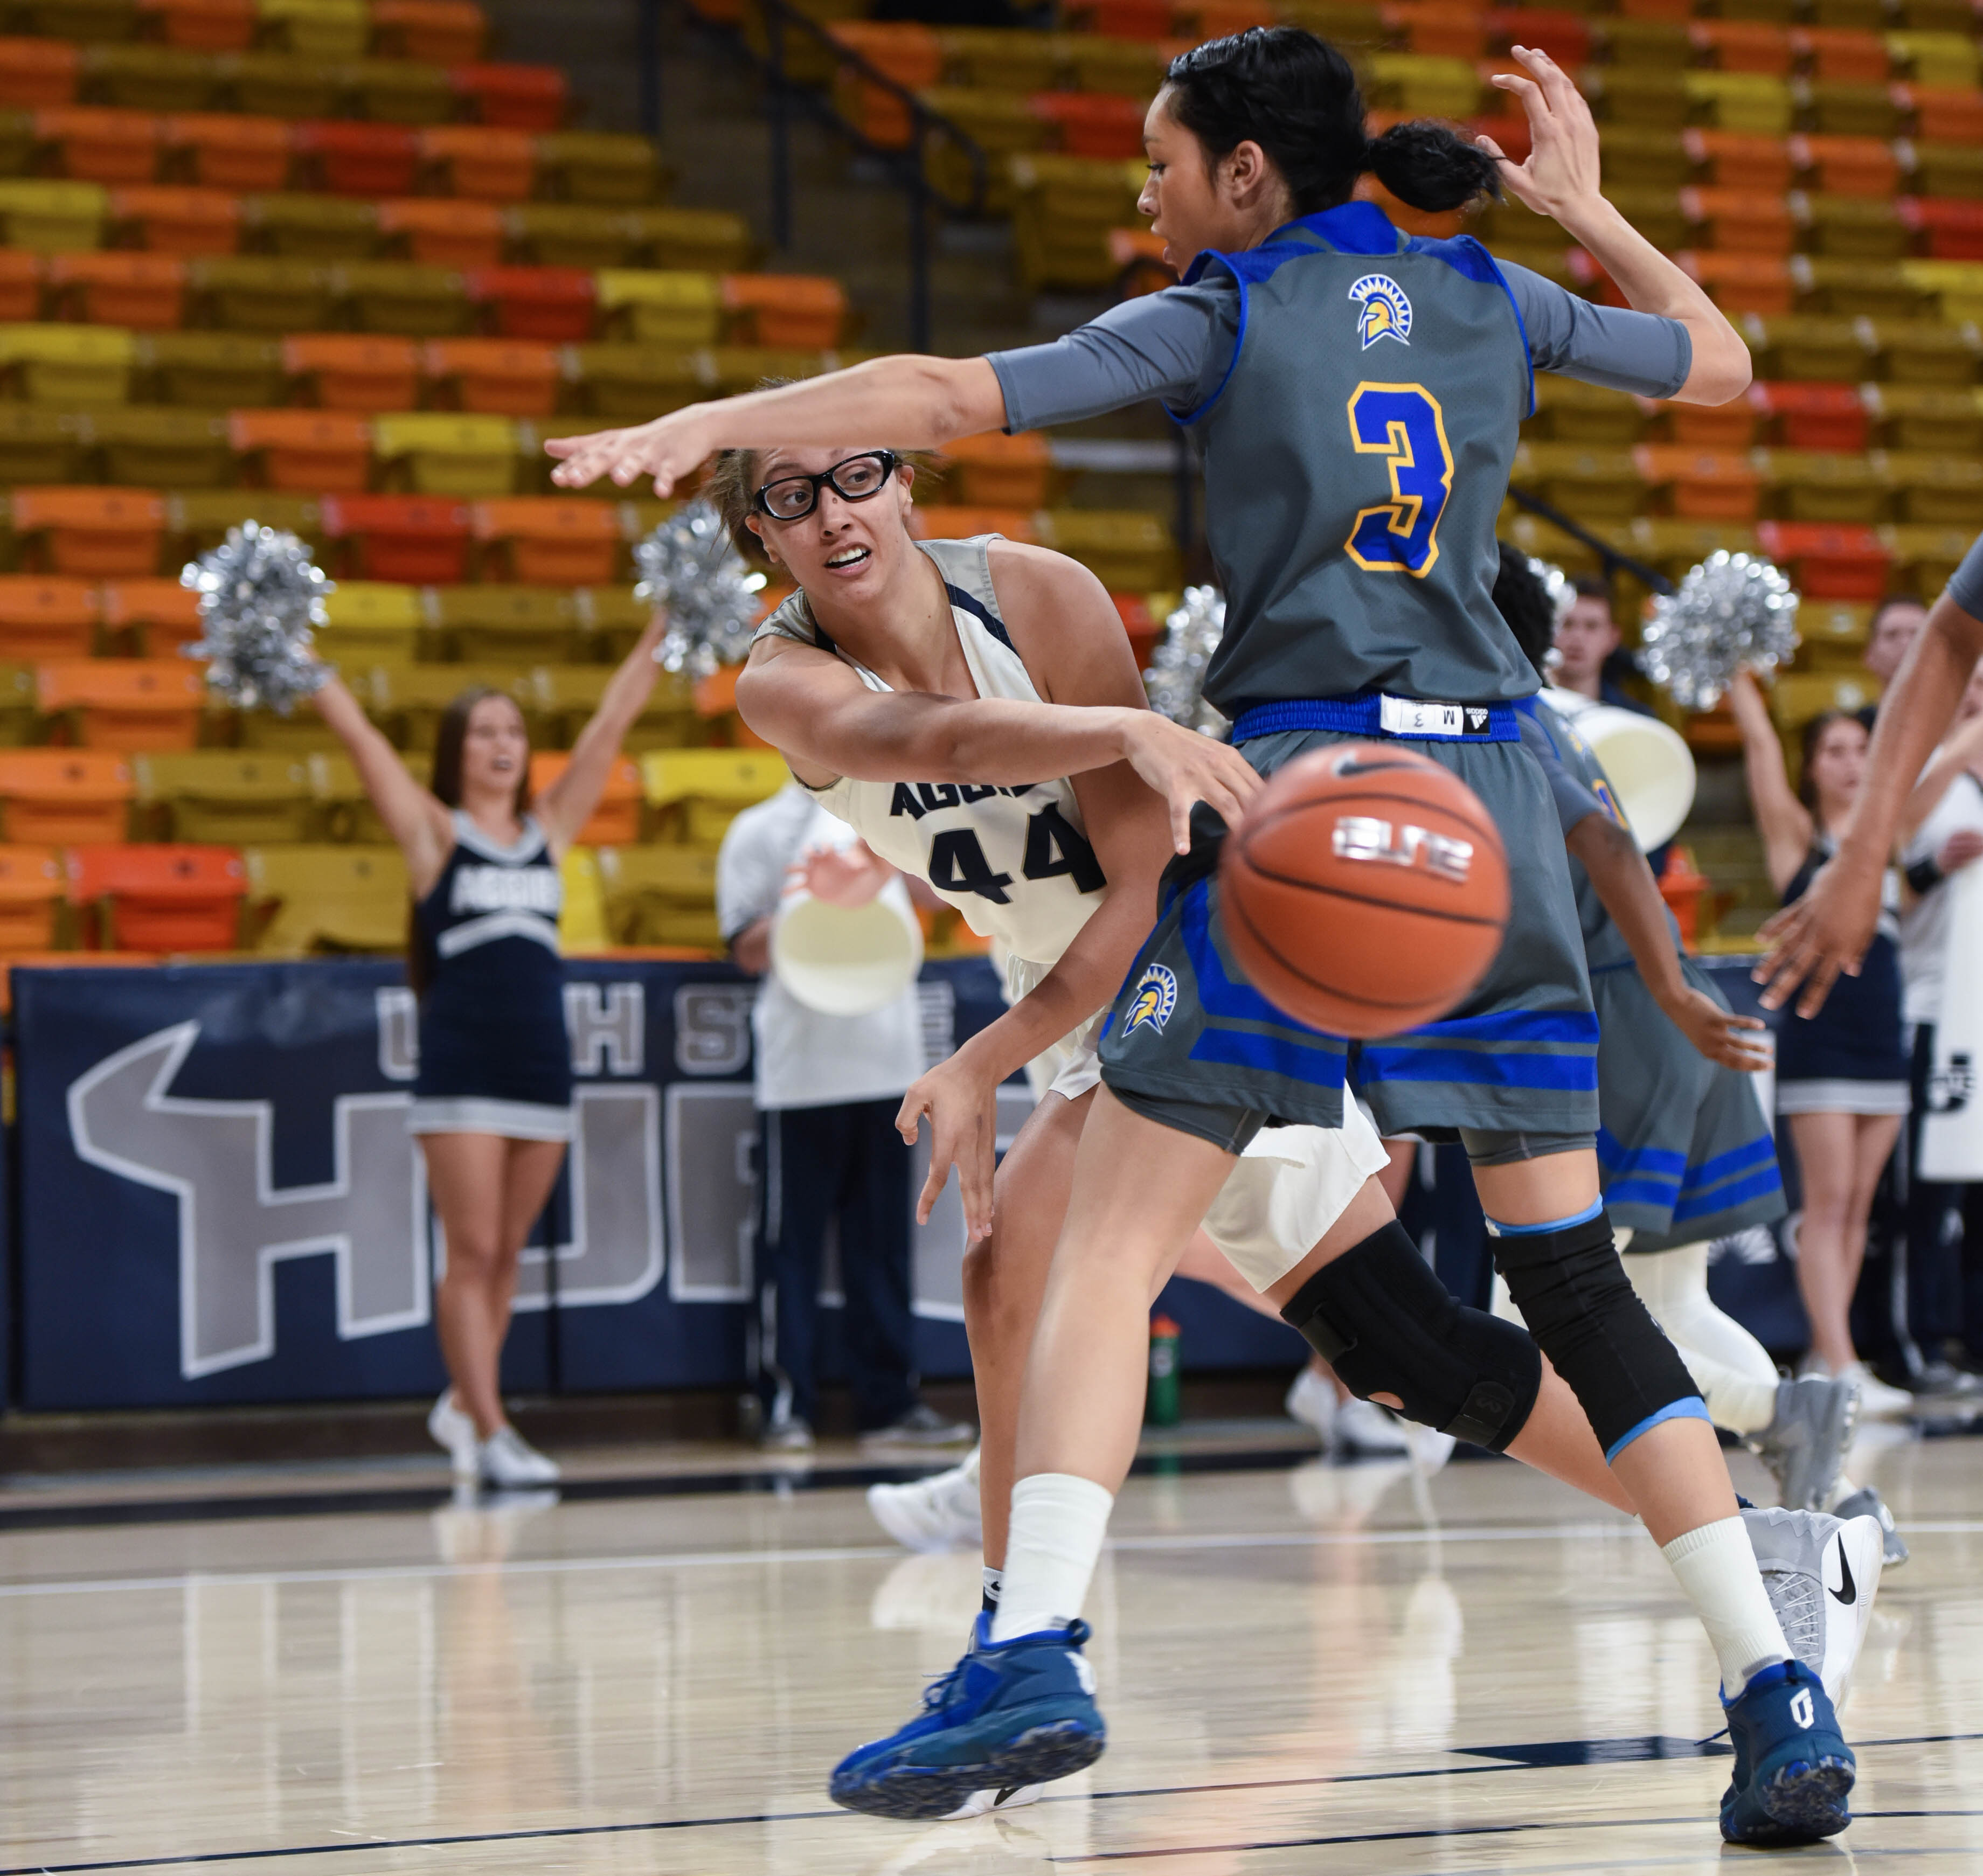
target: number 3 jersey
1015 860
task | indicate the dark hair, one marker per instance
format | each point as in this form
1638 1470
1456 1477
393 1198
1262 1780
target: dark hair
1296 96
1523 601
450 735
1814 734
1592 585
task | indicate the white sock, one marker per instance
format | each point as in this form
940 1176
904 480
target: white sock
994 1585
1716 1565
1733 1370
1059 1522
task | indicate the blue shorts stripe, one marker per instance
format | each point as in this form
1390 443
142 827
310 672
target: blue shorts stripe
1737 1159
1639 1161
1578 1028
1726 1197
1244 1049
1479 1068
1639 1191
1692 1408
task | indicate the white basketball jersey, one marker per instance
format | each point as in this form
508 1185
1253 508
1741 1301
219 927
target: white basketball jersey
1014 861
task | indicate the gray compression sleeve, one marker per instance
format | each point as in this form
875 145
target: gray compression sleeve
1610 345
1176 345
1965 584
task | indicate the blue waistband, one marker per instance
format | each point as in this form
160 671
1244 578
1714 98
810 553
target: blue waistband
1363 716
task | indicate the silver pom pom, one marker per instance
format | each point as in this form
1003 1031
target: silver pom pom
1175 679
1734 610
1562 590
259 596
689 565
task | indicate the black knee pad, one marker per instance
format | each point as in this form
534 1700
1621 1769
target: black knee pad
1380 1318
1581 1308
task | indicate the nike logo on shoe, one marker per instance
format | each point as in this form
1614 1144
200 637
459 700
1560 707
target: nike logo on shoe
1847 1591
1006 1793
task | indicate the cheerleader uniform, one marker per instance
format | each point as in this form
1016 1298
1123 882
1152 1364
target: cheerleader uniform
494 1054
1847 1059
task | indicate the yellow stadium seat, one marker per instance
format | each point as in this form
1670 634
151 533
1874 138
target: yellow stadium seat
656 308
506 624
1814 486
52 217
219 798
1639 97
564 234
156 78
1800 346
1935 490
659 895
1796 697
402 297
315 29
218 371
1851 227
1953 169
1127 550
20 714
87 22
446 453
196 519
582 924
406 700
1946 419
637 382
1567 411
695 794
1658 214
1602 484
1953 288
371 620
315 898
284 85
609 169
400 91
1644 159
39 440
261 294
151 447
341 809
1411 83
1922 557
310 227
1001 60
567 695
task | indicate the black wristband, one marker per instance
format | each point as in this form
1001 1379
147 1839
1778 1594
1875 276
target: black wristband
1925 875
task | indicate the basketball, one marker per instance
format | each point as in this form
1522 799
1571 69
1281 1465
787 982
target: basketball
1366 891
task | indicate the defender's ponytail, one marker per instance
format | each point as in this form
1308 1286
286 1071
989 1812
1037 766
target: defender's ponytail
1296 95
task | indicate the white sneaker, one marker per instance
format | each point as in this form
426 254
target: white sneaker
1822 1573
937 1514
506 1459
1010 1798
1312 1400
454 1433
1364 1430
1877 1400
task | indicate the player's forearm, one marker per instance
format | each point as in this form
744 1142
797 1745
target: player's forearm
1914 715
626 693
906 401
1651 282
1625 884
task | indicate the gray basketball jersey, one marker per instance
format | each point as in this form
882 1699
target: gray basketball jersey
1356 457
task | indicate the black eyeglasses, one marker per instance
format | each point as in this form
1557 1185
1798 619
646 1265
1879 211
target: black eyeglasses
792 498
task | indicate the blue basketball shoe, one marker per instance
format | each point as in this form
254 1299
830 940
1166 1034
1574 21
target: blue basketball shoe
1011 1713
1793 1767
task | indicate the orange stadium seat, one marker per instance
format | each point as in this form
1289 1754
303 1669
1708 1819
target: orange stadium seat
514 97
550 540
177 221
159 897
1944 230
616 821
20 285
202 25
441 32
38 72
1741 221
555 305
32 885
153 618
1943 114
46 618
1699 485
359 159
1093 125
125 703
934 521
218 152
1739 158
97 145
146 292
96 534
310 452
785 309
63 798
354 371
1846 166
1743 282
489 164
444 233
408 540
997 471
499 377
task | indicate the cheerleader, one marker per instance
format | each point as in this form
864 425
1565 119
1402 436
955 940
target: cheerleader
492 1106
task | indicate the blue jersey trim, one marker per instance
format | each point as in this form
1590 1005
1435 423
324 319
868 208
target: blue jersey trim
1359 716
1693 1408
1185 419
1465 256
982 613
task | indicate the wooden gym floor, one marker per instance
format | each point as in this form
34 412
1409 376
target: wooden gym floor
1305 1668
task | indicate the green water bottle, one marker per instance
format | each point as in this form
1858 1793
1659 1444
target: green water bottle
1162 1405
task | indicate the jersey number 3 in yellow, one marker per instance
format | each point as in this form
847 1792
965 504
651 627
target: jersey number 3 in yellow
1404 424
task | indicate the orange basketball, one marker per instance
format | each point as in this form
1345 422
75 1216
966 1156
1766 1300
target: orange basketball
1366 890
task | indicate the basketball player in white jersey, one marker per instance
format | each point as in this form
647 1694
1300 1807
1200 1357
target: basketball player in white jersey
952 662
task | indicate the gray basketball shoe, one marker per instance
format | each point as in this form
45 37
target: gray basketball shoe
1866 1503
1822 1573
1804 1445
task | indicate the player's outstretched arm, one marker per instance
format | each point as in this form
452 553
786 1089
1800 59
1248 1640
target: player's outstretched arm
917 403
417 822
1785 822
1828 929
1631 895
1560 179
566 805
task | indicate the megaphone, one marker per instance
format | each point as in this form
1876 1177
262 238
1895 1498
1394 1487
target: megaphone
847 960
1648 761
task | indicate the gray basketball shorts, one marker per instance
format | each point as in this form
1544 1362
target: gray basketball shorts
1684 1151
1191 1043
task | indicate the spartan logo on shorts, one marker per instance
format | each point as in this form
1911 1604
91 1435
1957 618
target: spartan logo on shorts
1386 314
1155 997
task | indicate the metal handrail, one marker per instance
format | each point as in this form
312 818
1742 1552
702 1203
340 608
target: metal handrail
1612 559
907 168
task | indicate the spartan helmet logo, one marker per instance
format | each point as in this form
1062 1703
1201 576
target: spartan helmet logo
1155 997
1386 314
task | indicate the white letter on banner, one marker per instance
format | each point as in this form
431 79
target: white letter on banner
615 1174
608 1026
214 1156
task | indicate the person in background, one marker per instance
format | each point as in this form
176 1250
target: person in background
492 1105
1941 832
827 1089
1588 654
1841 1079
1896 623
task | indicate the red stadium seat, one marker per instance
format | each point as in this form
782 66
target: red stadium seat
554 306
408 539
1828 562
1945 229
361 159
160 896
1093 123
1813 416
514 97
63 798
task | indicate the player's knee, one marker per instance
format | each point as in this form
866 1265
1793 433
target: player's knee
1385 1323
1572 1290
476 1251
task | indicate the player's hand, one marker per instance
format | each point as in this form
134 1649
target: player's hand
1958 850
1186 768
1718 1034
1825 932
1561 172
668 448
849 876
961 1103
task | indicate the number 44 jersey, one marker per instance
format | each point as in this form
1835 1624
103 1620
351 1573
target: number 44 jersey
1015 860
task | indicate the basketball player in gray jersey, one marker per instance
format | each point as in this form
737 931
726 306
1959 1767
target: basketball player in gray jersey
1365 389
